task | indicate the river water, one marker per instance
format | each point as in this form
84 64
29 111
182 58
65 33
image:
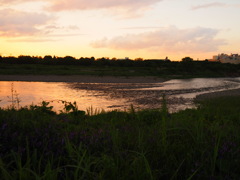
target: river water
109 96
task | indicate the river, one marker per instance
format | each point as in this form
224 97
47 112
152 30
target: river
109 96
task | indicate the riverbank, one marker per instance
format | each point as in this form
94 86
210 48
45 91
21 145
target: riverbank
82 78
231 92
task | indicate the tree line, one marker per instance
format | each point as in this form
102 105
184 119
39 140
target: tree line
166 66
86 61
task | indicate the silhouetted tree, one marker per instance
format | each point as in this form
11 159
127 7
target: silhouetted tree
187 59
139 59
92 58
188 65
69 58
47 57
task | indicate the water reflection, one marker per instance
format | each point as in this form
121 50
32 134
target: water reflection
198 83
180 93
36 92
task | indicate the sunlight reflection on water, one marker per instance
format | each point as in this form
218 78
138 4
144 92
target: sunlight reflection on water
36 92
110 96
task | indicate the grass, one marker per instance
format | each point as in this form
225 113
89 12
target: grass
202 143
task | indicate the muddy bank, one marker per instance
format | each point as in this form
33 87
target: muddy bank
80 79
133 93
232 92
149 95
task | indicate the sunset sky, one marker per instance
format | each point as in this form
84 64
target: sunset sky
120 28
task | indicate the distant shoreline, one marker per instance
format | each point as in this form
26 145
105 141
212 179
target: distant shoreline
82 78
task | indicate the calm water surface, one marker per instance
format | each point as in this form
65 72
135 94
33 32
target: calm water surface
107 96
36 92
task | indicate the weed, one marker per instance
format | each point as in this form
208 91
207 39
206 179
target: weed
203 143
14 99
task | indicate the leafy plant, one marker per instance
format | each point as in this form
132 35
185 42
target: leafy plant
43 107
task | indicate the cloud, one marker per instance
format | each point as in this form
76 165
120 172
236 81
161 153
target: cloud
142 27
15 23
6 2
87 4
209 5
169 39
9 1
60 5
215 5
32 40
122 8
67 28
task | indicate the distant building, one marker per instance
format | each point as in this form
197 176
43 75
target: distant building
225 58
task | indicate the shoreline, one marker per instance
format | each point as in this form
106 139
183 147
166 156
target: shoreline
82 78
230 92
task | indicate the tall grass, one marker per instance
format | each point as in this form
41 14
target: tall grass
202 143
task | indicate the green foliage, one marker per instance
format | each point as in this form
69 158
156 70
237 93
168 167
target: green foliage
43 108
200 143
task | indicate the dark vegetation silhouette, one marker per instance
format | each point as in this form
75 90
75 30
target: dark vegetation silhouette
187 59
202 143
157 67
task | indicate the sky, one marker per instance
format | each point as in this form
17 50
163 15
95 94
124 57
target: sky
149 29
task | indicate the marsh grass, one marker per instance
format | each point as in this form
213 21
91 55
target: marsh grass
202 143
14 98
